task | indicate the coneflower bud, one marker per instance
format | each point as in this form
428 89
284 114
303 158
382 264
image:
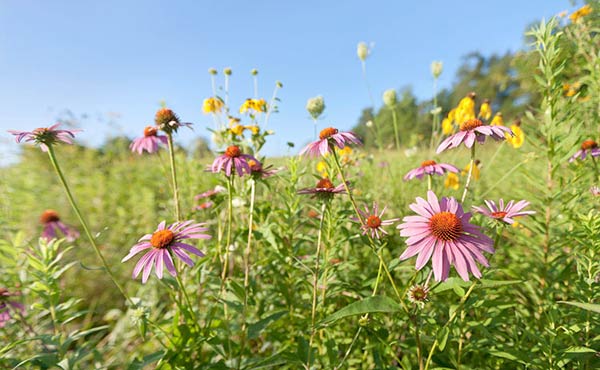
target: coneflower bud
167 120
390 98
436 68
362 50
315 106
254 72
279 84
227 71
418 294
212 71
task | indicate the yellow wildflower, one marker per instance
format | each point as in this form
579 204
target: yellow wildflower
475 175
519 138
346 151
322 168
497 120
581 12
233 121
452 115
485 111
237 130
451 181
466 109
254 128
254 105
212 105
447 126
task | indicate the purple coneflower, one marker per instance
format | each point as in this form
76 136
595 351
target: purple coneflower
210 193
45 136
472 130
324 188
504 212
52 224
7 306
373 224
259 171
164 242
327 138
233 157
587 147
429 168
167 121
149 142
204 205
441 231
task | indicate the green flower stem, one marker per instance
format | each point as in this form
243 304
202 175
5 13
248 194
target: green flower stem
470 175
377 128
185 294
271 105
84 223
229 227
247 271
460 306
595 166
434 126
396 136
315 121
489 163
362 222
313 313
174 176
429 181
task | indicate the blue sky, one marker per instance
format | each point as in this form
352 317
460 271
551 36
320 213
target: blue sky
116 60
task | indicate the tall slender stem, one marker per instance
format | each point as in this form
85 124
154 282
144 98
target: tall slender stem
174 176
247 271
468 183
434 126
229 226
429 181
396 136
84 224
313 313
377 128
271 105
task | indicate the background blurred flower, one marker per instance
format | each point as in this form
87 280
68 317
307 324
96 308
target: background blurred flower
429 168
587 147
150 142
52 223
452 181
212 105
328 137
45 136
315 106
436 68
504 212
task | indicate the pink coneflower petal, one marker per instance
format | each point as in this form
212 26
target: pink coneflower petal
442 233
45 136
504 212
328 138
473 130
164 241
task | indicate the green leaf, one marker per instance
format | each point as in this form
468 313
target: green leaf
586 306
367 305
255 329
442 337
580 349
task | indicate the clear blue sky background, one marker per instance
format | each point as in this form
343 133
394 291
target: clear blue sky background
115 60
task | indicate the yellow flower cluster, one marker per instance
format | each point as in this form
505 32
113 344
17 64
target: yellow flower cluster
464 112
254 105
238 130
581 12
519 138
212 105
571 89
322 169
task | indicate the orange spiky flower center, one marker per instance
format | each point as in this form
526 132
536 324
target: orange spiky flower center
162 238
325 184
328 132
373 222
428 163
164 116
254 165
499 214
49 215
445 226
233 151
589 144
470 124
150 131
418 293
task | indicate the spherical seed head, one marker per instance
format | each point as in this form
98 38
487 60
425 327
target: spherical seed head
373 222
254 72
362 50
212 71
589 144
279 84
49 215
328 132
324 183
428 163
389 97
227 71
233 151
164 116
470 124
315 106
162 239
436 68
445 226
150 131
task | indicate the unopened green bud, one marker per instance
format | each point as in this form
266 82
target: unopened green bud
362 50
279 84
212 71
254 72
227 71
315 106
436 68
390 98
